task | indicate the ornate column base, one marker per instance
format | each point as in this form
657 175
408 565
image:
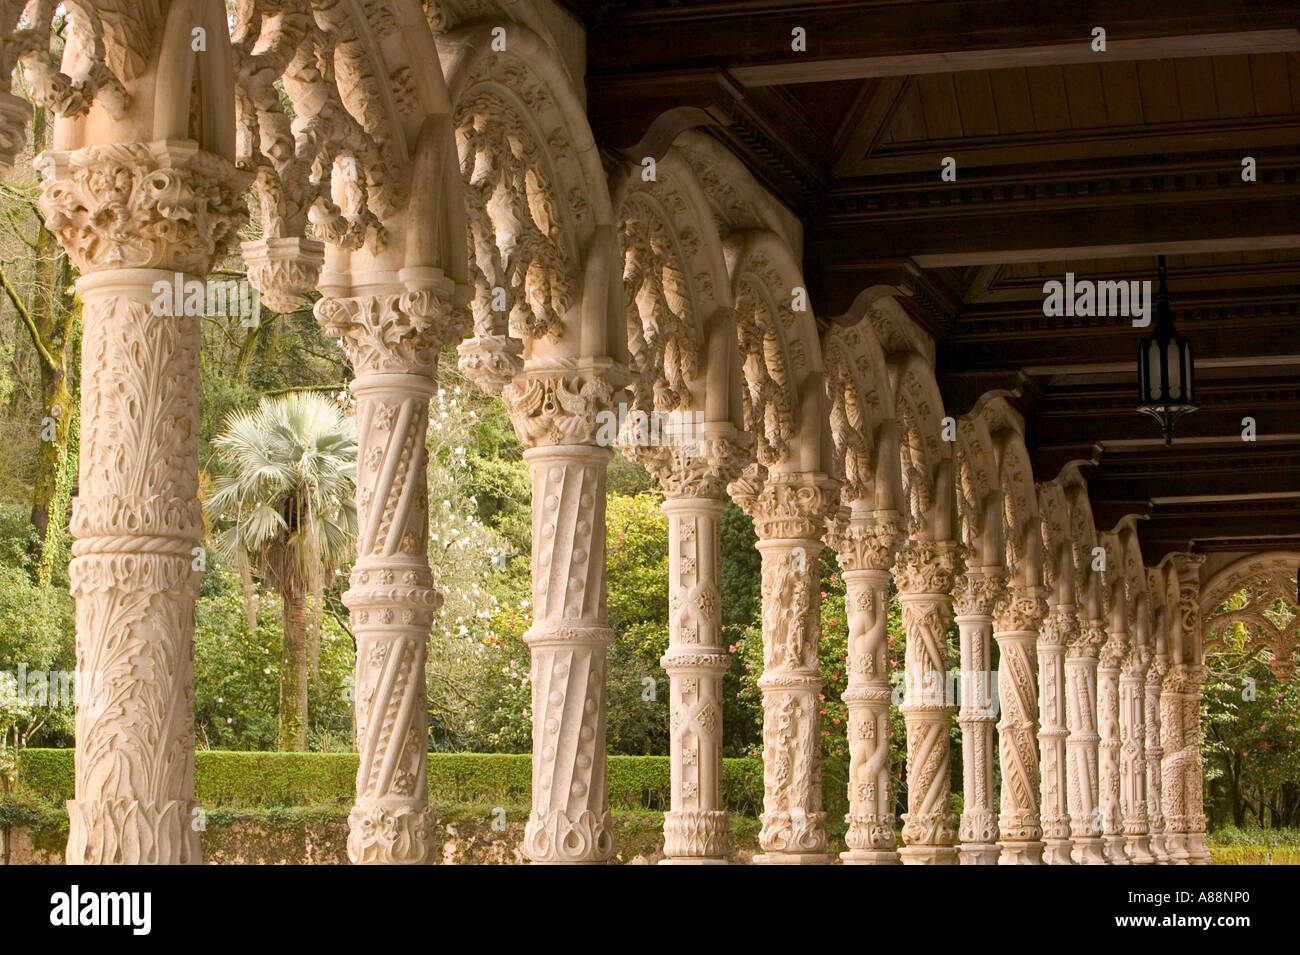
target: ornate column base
978 833
928 855
1197 853
1176 848
793 858
870 857
128 832
396 834
1158 848
1088 850
974 854
1114 847
1139 849
1021 853
1058 852
695 837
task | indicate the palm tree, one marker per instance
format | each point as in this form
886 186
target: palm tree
282 508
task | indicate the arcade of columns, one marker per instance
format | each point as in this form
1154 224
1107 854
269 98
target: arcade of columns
671 288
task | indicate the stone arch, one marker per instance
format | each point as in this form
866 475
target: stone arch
925 459
1022 532
861 417
979 495
1059 568
677 291
1269 580
1089 588
780 353
537 204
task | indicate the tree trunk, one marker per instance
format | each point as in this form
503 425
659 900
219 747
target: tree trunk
293 673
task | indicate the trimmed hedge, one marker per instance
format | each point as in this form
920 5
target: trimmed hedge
239 779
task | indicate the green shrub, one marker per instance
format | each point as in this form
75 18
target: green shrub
238 779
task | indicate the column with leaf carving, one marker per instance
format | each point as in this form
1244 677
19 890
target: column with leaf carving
134 216
974 597
695 479
1154 756
554 409
867 545
924 572
1173 793
790 513
1015 628
1081 745
1132 731
1193 767
392 334
1058 630
1108 758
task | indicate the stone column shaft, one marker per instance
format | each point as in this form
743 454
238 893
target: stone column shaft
974 597
790 515
1194 768
392 333
695 828
554 411
1058 629
924 572
1173 792
1108 767
137 218
1081 746
1133 795
1154 755
1015 629
866 552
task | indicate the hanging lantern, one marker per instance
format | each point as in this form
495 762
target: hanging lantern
1165 389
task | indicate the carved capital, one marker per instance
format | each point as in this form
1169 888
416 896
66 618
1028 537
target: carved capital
1113 650
868 544
976 592
701 467
1060 628
398 333
161 205
793 506
927 567
1020 609
15 116
491 361
283 270
562 405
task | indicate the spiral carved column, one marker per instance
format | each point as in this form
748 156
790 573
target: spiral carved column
974 597
867 547
1154 756
790 514
392 333
695 480
1057 631
1081 745
132 215
554 409
1133 796
924 572
1108 761
1015 628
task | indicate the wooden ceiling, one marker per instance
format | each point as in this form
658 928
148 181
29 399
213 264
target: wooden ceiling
1067 159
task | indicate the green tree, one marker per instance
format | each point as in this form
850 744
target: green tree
282 508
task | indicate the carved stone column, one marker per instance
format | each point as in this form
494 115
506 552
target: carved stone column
974 596
1081 745
1058 630
790 514
1173 791
925 572
392 334
867 547
132 215
1193 767
1154 756
1015 628
1108 764
695 480
1132 731
553 408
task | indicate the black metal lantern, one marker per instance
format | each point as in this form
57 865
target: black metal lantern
1165 388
